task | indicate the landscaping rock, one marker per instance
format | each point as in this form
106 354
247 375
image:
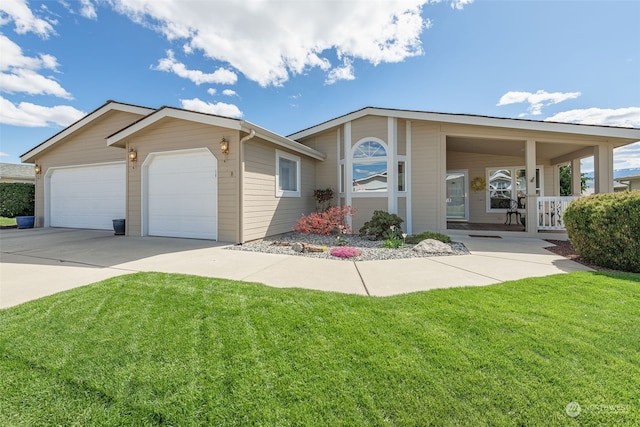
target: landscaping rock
298 247
433 247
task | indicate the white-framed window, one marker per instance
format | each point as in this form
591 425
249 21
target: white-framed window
287 175
369 166
509 183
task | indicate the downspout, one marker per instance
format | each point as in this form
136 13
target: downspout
244 139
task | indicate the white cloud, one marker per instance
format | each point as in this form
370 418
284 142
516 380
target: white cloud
346 72
536 100
217 108
27 114
3 154
88 10
221 75
25 21
625 117
229 92
256 37
211 91
20 72
460 4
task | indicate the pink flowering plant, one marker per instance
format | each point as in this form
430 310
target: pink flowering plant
345 251
333 220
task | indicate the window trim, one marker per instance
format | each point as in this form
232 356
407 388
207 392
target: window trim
288 193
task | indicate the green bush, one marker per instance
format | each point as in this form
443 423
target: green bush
417 238
382 225
605 229
16 199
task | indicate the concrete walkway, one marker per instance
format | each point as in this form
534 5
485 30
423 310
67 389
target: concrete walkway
39 262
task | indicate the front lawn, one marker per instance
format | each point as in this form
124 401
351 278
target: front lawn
161 349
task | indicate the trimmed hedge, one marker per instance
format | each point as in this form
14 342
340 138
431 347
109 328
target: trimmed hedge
16 199
605 229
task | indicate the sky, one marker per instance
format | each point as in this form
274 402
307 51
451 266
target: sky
287 65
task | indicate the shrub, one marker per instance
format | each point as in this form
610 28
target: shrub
393 243
333 220
345 251
383 225
16 199
417 238
605 229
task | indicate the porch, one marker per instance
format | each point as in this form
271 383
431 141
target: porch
549 214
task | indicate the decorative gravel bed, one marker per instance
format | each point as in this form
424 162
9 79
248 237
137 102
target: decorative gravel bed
371 250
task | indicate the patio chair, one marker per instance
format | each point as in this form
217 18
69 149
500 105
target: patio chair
513 210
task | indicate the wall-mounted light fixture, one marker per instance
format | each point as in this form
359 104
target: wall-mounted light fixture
38 170
133 157
224 146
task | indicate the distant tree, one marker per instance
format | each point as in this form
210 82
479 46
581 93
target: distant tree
565 181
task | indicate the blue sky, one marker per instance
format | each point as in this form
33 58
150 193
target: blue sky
288 65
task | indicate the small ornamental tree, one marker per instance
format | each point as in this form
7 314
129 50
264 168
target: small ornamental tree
323 198
333 220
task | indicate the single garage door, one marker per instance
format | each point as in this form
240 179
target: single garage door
87 196
182 194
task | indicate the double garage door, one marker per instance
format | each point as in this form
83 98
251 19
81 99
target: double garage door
179 198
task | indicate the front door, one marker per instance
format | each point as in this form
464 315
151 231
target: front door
457 191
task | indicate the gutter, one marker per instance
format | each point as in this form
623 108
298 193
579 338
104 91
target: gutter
244 139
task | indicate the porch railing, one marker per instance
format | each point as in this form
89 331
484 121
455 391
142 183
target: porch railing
551 211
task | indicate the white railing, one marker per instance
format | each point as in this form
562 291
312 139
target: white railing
551 210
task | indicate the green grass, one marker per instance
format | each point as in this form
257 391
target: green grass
160 349
4 221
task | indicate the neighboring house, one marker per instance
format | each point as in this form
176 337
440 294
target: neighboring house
166 173
10 172
631 183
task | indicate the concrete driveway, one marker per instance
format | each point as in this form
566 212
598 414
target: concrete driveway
42 261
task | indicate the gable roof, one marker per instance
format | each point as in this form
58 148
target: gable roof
628 135
95 114
17 171
118 138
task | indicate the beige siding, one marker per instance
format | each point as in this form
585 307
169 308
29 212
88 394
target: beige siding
326 175
402 137
364 209
85 146
426 176
264 214
174 134
370 126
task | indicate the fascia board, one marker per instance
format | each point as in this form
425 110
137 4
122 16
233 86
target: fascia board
110 106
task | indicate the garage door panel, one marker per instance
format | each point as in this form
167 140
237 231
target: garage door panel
182 195
87 196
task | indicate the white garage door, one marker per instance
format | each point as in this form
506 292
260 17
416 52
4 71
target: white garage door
182 195
87 196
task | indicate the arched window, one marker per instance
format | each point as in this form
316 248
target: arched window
369 163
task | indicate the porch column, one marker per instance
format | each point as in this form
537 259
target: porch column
348 172
603 165
576 181
532 197
392 165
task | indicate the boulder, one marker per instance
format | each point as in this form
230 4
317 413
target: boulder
298 247
432 246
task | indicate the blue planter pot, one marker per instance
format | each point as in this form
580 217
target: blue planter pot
25 221
118 227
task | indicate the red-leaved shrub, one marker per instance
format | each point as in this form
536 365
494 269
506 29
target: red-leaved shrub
333 220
